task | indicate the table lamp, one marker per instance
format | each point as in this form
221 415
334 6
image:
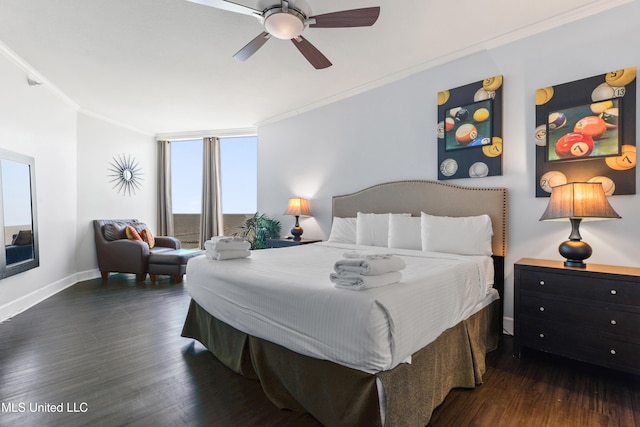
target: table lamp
297 207
576 202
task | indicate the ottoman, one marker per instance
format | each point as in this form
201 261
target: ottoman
172 263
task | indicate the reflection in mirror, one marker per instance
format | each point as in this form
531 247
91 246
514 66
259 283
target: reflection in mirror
16 193
17 211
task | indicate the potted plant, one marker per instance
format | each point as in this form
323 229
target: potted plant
257 229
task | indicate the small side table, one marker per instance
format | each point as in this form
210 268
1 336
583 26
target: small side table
281 243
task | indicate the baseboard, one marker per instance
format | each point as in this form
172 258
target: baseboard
507 325
87 275
13 308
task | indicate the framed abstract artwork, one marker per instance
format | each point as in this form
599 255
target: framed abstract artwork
470 130
585 132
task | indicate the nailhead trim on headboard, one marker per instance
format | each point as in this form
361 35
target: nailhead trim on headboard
433 197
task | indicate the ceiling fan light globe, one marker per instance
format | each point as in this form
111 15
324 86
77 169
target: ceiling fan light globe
284 25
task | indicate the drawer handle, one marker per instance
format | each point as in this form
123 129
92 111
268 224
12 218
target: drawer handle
613 351
541 335
613 292
541 282
541 308
613 322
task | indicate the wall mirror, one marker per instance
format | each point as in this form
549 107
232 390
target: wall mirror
18 219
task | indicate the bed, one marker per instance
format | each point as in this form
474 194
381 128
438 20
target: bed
369 381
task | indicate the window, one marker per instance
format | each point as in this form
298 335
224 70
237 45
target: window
239 182
186 176
239 174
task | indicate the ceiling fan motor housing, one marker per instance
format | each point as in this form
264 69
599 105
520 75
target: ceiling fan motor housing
284 23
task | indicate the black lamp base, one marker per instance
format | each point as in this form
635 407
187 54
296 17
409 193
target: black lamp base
575 252
296 231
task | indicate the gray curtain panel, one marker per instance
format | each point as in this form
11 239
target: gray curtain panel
165 212
211 215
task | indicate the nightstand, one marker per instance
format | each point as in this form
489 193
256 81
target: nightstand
281 243
590 314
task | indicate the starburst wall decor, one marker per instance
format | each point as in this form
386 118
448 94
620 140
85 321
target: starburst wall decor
126 174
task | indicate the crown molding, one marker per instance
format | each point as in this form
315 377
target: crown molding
114 122
33 77
504 39
199 134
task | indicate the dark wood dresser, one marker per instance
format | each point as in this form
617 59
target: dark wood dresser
591 314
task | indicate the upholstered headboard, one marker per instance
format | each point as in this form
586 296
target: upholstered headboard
434 198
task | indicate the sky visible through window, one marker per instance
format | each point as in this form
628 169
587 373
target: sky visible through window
239 175
16 190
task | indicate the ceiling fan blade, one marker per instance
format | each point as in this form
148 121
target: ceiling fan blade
252 47
365 17
230 6
309 51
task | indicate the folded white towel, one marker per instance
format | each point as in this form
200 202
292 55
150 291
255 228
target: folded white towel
358 282
370 265
227 239
227 254
220 243
367 255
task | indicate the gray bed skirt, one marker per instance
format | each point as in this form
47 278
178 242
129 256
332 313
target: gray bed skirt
341 396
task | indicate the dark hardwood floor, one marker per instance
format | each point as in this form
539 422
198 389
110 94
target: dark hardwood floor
110 353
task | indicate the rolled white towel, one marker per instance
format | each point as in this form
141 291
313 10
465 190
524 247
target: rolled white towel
220 243
358 282
227 254
370 265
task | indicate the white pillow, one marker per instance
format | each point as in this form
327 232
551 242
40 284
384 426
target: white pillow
469 235
405 232
373 229
343 230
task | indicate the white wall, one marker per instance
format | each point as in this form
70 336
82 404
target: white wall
36 122
98 143
389 134
72 152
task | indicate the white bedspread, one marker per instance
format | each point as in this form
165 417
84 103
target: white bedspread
285 296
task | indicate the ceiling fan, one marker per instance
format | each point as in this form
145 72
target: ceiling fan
285 21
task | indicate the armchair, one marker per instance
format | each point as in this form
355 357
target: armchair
119 254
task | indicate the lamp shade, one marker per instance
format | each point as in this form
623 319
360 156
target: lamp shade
584 200
298 207
576 202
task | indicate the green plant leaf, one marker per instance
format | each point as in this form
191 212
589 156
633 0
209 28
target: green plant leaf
258 228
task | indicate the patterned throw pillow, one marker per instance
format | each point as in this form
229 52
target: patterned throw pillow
132 233
147 236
